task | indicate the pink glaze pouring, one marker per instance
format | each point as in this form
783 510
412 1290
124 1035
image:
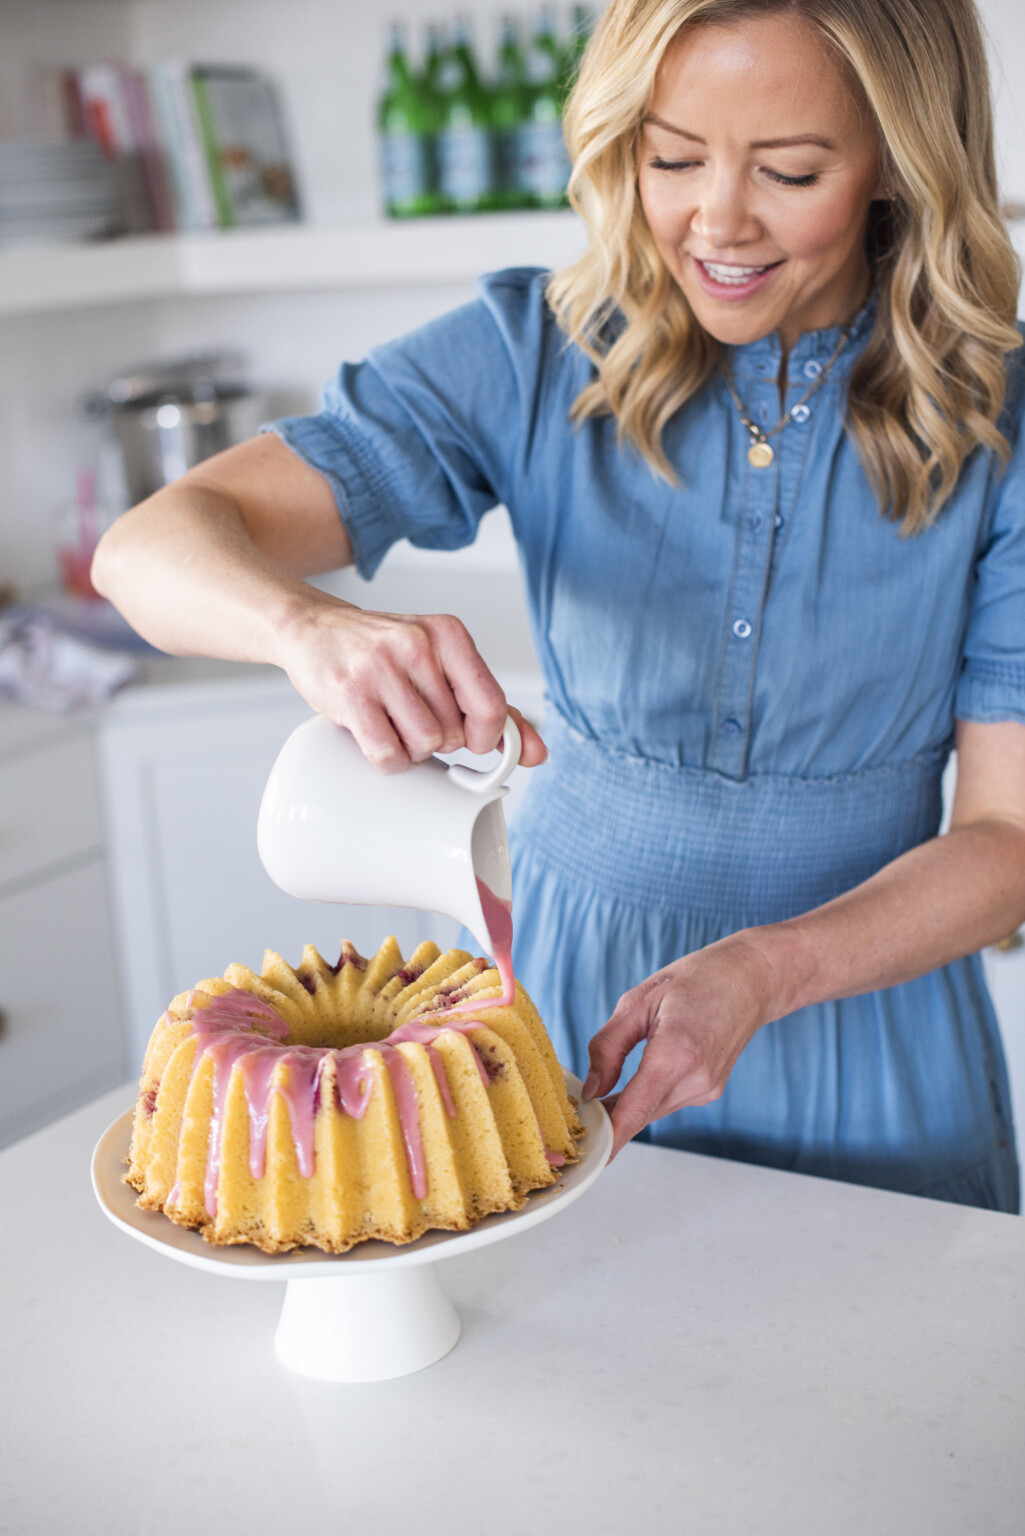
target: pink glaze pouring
498 917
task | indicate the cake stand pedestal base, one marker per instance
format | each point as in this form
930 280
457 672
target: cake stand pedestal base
366 1327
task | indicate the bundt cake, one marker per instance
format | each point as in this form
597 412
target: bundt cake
334 1103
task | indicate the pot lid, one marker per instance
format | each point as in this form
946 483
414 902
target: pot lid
198 376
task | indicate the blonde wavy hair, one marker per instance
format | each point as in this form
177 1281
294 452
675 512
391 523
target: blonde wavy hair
930 383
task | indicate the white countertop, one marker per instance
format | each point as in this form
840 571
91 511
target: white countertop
695 1347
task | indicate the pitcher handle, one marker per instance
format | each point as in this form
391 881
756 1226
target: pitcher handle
483 781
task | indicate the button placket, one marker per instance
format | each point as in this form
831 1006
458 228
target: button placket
755 529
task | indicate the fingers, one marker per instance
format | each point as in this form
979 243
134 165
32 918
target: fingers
480 700
614 1042
649 1094
392 691
377 738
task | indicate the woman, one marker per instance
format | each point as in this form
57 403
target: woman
754 446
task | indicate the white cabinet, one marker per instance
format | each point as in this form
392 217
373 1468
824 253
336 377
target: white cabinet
61 1039
61 1042
1005 973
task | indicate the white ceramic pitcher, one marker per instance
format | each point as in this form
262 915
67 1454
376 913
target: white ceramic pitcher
334 828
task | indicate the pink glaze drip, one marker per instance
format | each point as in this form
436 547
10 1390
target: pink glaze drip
226 1031
404 1090
441 1078
354 1079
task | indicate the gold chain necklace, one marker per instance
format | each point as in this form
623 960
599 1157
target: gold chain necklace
760 454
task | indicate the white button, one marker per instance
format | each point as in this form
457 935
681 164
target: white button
800 413
777 521
741 629
812 369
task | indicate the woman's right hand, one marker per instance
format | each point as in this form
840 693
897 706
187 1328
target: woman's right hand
404 685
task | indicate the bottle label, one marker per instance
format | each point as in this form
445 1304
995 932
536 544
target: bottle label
406 168
465 164
541 162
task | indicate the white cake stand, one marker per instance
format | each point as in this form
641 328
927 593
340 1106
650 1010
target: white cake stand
368 1315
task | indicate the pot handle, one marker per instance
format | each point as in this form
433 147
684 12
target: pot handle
483 781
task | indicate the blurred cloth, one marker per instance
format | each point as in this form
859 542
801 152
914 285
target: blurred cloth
48 669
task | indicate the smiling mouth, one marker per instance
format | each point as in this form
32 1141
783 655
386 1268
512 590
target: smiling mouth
727 274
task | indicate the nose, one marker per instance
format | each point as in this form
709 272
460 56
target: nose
722 219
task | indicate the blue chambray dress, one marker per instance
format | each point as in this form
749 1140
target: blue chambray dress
752 681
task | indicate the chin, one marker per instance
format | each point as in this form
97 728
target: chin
733 330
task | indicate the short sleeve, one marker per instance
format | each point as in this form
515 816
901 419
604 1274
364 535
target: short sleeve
418 440
992 683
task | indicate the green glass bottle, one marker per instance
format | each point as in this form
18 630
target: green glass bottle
543 163
434 52
406 124
467 169
545 40
510 103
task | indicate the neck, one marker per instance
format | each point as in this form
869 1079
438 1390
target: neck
790 336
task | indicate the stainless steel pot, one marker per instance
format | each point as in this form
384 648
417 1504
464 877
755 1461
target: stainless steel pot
167 417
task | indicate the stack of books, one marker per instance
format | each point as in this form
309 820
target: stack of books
53 192
192 147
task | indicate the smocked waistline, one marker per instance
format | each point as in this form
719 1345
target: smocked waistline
755 850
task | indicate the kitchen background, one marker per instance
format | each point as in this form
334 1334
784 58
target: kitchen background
128 867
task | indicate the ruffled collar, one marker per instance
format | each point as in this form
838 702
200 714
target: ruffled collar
762 358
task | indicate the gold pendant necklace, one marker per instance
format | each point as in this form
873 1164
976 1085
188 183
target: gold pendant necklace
761 454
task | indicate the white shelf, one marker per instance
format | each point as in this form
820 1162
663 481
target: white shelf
419 252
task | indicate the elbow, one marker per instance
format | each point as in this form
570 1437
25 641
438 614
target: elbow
103 569
116 559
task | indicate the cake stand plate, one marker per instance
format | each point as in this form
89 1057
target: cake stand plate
371 1314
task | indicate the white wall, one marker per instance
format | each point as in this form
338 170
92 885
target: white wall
1004 23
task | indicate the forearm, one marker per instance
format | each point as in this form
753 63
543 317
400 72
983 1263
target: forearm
947 898
184 571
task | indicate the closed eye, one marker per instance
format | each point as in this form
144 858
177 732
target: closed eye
792 181
658 164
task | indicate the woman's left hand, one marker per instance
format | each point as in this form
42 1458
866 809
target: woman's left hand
696 1016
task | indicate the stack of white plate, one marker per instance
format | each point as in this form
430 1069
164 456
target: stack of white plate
55 192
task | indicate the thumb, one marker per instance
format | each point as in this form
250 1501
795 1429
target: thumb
614 1042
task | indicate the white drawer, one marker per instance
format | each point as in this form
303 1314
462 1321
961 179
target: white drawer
49 808
61 1038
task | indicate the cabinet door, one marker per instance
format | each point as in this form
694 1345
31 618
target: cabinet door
61 1038
1005 973
49 808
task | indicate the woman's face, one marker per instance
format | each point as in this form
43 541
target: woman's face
760 232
